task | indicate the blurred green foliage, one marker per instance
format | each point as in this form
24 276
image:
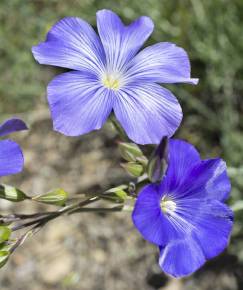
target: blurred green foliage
211 32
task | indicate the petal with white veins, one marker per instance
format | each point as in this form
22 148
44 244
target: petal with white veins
71 43
147 112
161 63
78 103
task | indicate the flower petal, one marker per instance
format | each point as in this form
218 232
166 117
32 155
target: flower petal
78 103
181 257
211 221
214 224
121 42
163 63
12 125
71 43
11 158
149 220
208 179
182 158
147 112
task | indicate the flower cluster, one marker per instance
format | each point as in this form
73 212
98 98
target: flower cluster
182 209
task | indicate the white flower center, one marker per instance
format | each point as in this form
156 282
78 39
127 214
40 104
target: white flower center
112 81
167 205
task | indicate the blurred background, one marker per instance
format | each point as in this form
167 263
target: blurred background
94 251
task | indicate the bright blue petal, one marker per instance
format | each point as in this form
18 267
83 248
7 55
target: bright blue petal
184 214
182 158
213 223
11 158
208 179
71 43
181 257
163 63
148 218
121 42
12 125
147 112
209 221
78 103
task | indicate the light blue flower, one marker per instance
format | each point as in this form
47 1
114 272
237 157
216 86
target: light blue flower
110 74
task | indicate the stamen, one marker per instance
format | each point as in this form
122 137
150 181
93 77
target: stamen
111 82
167 205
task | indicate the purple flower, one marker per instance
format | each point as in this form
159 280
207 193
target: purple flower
185 214
110 74
11 157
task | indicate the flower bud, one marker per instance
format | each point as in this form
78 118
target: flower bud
5 233
118 192
158 162
130 151
11 193
133 168
4 255
56 197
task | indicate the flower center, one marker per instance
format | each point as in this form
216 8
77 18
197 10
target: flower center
111 81
167 205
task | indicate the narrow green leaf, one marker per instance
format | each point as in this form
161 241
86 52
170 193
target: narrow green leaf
4 255
56 197
11 193
5 233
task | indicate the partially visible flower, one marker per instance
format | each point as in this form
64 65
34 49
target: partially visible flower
185 215
11 156
110 74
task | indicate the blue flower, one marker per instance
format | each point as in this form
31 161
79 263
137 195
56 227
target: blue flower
11 157
185 215
110 74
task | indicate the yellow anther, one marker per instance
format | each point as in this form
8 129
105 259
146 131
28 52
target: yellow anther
111 83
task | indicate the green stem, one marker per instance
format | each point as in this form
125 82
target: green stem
119 128
52 215
97 209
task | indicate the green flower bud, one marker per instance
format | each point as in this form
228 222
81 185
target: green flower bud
11 193
130 151
4 255
56 197
133 168
118 192
5 233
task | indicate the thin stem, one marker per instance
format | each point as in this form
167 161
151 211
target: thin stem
18 217
119 128
97 209
42 221
51 215
22 239
33 222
